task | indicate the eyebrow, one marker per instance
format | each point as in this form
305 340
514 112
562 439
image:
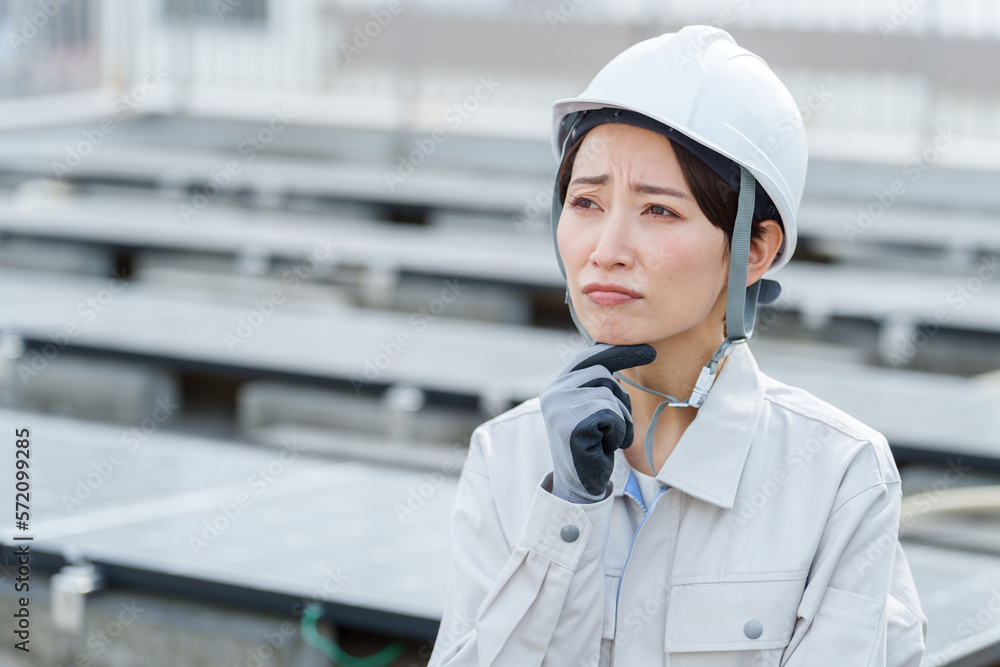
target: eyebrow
638 187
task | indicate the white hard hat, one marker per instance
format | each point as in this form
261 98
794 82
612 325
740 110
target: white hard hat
724 101
699 82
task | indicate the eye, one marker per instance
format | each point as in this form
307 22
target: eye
664 211
576 202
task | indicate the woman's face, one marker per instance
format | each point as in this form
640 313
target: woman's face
630 220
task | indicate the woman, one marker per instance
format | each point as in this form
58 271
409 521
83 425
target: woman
753 524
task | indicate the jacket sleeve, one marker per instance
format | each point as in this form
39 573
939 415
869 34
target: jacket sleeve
907 624
539 601
850 609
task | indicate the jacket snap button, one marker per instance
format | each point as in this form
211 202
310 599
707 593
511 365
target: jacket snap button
569 533
752 629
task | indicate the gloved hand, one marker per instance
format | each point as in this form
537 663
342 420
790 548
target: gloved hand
588 416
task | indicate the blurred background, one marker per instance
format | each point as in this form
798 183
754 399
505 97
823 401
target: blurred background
264 266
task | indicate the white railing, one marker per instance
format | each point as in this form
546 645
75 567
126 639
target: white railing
239 58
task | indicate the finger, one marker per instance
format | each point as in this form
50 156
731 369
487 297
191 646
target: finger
566 409
590 437
615 388
593 401
626 403
617 357
627 438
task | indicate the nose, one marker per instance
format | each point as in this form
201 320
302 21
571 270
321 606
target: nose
614 242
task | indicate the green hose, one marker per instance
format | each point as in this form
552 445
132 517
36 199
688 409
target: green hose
329 647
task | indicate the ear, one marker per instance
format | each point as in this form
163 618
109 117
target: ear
763 250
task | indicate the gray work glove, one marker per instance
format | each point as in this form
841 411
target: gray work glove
588 416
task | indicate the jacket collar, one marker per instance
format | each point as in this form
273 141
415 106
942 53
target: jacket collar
708 461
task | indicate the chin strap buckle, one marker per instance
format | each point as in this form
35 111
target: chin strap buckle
701 387
707 375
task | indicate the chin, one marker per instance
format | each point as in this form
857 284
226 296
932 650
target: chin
620 340
631 331
616 333
616 327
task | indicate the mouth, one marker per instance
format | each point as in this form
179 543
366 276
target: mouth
610 294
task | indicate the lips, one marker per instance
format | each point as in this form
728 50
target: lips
610 294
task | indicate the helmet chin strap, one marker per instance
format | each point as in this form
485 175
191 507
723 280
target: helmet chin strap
741 308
